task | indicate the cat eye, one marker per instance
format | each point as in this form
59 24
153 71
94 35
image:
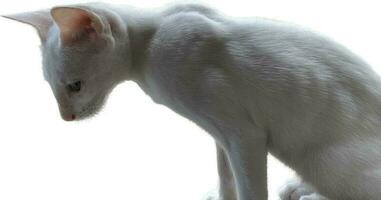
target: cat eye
75 87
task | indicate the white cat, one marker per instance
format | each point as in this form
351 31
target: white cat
256 86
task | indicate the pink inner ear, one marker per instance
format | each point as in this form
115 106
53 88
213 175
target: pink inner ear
75 24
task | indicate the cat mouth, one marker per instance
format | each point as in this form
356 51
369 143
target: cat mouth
92 109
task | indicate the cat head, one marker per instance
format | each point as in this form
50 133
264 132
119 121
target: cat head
85 55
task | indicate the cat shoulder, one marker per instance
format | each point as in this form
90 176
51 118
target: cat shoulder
193 7
184 32
186 51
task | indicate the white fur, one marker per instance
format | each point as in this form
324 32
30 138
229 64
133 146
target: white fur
256 86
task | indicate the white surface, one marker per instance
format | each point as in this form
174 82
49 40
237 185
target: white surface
134 149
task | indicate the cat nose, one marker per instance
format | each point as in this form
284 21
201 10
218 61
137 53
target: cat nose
70 118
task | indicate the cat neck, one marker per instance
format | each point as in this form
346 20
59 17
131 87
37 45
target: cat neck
142 26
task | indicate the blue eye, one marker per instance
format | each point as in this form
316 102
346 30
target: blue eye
75 87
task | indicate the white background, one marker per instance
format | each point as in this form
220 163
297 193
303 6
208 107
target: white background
134 149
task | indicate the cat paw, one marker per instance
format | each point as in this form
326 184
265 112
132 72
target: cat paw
212 198
297 190
212 195
215 195
313 196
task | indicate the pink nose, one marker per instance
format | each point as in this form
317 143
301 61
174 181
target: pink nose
70 118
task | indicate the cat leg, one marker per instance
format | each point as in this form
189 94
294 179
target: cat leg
227 188
347 171
361 184
299 190
227 184
248 159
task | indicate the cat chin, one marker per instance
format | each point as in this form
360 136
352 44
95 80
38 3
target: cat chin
86 117
92 110
89 114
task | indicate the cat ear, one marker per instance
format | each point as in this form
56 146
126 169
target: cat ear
77 24
40 20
